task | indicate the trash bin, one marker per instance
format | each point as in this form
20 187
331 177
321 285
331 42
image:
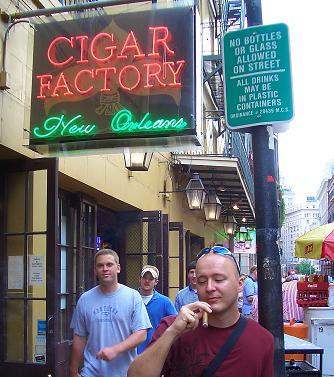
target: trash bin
301 369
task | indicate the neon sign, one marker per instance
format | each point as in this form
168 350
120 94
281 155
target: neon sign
148 70
59 126
129 77
122 122
116 82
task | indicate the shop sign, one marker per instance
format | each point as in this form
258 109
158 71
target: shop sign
257 76
36 269
249 246
114 78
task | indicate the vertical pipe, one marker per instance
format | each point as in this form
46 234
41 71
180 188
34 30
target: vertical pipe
268 260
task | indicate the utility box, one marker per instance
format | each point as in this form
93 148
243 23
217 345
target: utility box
321 332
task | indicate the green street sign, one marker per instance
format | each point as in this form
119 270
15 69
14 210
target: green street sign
257 76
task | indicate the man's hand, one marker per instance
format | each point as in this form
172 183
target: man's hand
107 353
189 316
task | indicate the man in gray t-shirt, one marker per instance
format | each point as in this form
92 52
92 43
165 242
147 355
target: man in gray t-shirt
109 322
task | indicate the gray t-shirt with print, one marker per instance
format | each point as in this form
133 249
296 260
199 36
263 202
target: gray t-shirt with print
105 320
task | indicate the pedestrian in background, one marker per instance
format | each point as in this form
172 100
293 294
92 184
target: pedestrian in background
240 294
249 291
183 347
109 322
157 305
255 308
291 310
188 294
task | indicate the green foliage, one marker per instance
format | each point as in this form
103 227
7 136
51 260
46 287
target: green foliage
305 268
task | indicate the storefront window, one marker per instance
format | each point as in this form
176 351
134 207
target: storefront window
14 315
65 248
15 220
25 289
36 201
36 331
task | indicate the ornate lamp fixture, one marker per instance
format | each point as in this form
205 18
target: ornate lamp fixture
195 192
212 206
229 223
137 161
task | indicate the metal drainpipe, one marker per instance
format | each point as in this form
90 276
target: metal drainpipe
64 9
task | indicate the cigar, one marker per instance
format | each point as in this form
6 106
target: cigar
205 319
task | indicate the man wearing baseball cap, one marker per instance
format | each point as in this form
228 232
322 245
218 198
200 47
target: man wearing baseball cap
157 305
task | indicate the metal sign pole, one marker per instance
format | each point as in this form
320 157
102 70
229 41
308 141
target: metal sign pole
266 213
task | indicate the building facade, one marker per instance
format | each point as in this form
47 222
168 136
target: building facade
322 198
299 219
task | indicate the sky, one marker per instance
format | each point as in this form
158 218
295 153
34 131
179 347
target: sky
308 145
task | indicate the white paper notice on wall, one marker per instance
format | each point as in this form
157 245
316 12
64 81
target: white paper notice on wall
15 272
36 269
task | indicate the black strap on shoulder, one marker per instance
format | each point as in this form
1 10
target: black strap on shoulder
226 348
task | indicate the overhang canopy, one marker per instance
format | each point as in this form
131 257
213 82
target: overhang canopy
224 175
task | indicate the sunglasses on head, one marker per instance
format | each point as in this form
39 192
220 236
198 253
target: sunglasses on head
218 250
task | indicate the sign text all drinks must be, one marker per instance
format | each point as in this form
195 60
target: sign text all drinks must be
257 76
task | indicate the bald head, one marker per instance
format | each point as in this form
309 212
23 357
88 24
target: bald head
230 266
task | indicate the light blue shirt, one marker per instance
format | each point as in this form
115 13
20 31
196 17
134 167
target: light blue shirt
249 289
185 296
105 320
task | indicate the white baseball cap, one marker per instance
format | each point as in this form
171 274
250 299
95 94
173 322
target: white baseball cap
153 271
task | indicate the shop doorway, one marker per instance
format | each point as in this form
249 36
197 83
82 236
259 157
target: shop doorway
194 244
48 242
144 240
76 247
176 257
28 289
109 231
